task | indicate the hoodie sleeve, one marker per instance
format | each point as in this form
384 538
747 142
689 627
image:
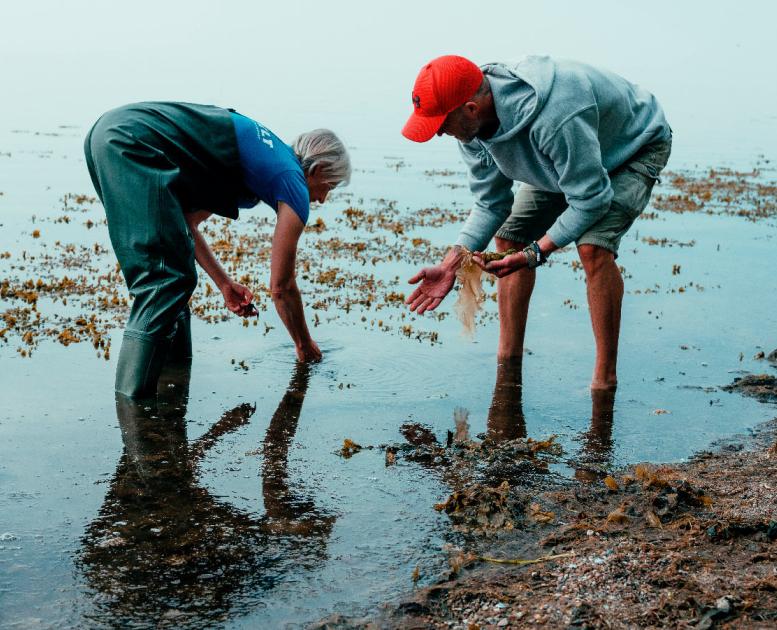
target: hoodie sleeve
493 197
576 155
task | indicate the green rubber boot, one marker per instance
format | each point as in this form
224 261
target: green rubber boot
140 363
181 346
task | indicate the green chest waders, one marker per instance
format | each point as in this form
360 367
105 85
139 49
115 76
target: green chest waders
150 163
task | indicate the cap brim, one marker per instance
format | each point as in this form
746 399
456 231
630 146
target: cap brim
422 128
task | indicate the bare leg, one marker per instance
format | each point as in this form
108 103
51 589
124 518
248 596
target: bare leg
605 296
513 295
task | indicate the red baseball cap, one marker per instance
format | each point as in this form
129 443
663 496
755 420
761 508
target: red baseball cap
442 85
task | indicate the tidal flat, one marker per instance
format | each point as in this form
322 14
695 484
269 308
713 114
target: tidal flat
229 501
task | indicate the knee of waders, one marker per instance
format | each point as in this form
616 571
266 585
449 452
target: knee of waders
139 366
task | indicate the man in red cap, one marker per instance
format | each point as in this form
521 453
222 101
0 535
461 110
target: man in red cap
586 146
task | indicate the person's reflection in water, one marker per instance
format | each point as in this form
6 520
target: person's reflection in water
162 548
506 421
596 454
505 416
286 510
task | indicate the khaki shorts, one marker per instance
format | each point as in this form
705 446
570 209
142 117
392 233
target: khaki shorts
535 210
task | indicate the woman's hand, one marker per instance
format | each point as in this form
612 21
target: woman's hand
309 351
238 298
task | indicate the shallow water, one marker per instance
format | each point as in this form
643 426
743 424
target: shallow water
229 505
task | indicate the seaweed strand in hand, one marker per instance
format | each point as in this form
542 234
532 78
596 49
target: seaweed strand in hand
471 294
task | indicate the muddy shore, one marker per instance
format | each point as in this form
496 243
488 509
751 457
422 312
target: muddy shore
688 545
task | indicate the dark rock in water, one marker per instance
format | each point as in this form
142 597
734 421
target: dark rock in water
418 434
760 386
772 357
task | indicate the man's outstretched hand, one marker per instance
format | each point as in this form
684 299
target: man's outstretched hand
436 283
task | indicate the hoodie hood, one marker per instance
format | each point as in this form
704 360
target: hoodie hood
519 91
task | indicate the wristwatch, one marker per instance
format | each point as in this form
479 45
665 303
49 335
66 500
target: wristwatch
534 255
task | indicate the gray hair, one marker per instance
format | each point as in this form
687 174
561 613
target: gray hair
322 148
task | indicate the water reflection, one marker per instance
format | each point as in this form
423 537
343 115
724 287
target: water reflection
505 416
598 441
287 509
162 548
596 458
506 421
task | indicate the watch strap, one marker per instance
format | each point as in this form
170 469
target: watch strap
534 255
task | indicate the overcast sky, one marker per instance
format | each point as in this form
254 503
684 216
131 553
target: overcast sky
351 65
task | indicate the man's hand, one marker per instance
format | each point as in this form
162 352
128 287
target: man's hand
504 267
308 351
238 298
436 283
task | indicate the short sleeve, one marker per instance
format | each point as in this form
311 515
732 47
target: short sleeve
291 188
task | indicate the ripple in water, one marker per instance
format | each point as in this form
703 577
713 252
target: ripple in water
391 374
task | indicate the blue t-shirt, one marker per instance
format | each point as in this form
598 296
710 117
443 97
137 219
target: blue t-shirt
271 171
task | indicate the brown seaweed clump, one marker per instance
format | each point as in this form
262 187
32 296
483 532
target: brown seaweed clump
480 507
350 448
491 481
760 386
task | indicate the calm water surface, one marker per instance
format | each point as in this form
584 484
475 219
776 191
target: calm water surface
225 503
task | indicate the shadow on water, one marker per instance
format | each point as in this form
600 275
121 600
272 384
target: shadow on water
163 549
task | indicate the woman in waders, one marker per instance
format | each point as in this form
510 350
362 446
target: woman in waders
162 168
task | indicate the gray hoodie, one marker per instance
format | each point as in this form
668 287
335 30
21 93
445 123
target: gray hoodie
563 126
